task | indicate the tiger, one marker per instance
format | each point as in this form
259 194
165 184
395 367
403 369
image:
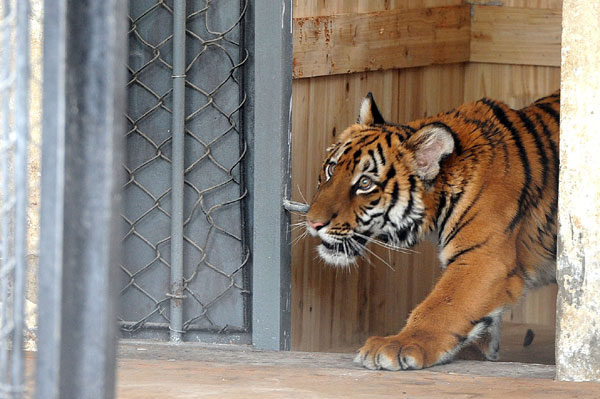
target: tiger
483 176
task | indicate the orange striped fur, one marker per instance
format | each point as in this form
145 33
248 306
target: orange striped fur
485 177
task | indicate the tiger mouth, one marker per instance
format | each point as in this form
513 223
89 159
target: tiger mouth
341 253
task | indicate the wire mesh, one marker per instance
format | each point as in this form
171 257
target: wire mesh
20 84
215 253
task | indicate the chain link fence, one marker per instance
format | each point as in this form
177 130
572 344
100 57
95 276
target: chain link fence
216 271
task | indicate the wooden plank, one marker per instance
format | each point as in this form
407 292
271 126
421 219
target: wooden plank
147 371
348 43
313 8
554 4
523 36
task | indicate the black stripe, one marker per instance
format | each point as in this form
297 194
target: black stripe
391 172
554 204
388 139
519 270
486 320
547 108
380 151
357 218
411 201
454 198
395 191
501 116
531 128
372 155
441 206
372 141
394 195
464 251
556 94
454 230
409 128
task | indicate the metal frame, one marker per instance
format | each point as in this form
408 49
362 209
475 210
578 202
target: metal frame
271 175
83 128
21 198
13 215
178 172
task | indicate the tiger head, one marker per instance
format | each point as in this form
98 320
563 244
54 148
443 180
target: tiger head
377 184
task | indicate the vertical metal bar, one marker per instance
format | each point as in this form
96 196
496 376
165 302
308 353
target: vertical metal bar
83 129
272 174
177 143
6 207
21 197
52 207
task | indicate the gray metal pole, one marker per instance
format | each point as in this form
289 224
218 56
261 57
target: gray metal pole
271 293
7 202
83 129
177 143
21 197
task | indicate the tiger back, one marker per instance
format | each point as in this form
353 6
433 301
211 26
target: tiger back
485 177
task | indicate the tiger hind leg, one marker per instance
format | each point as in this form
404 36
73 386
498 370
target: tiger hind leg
486 346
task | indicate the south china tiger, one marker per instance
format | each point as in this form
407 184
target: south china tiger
485 178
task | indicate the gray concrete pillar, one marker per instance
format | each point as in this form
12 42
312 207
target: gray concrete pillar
578 310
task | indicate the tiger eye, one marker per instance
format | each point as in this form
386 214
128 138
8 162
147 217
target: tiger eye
365 183
330 169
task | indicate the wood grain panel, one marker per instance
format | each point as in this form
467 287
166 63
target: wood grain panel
523 36
314 8
346 43
542 4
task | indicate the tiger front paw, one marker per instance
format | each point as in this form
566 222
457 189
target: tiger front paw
398 352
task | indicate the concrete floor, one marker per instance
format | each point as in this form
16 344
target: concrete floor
148 370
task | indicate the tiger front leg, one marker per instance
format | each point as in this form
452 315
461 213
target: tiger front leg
466 303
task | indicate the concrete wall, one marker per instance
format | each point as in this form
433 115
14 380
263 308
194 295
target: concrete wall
578 317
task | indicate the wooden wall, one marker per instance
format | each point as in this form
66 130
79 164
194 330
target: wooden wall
336 310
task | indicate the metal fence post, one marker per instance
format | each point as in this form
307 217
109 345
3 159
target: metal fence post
14 117
21 197
272 174
83 127
178 123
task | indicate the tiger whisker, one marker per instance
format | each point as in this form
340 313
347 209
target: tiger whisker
364 247
361 247
296 213
301 195
300 237
386 245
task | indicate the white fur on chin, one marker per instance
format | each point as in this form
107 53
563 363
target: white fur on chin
335 258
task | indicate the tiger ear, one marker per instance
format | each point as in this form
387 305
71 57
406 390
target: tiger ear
369 114
430 145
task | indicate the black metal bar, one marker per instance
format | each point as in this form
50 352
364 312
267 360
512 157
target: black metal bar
83 128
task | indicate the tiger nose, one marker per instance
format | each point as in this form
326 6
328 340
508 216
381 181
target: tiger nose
315 225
